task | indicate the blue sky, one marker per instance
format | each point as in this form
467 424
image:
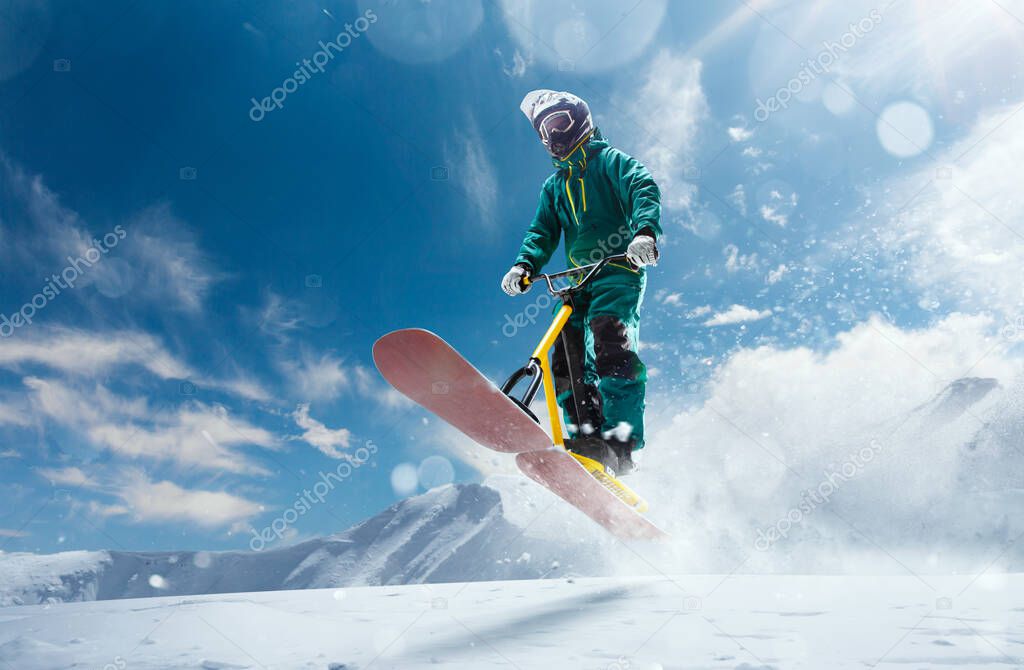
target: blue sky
216 359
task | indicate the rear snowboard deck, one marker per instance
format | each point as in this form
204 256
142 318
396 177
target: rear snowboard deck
561 473
428 371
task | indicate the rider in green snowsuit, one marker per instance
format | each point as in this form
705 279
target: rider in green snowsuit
604 202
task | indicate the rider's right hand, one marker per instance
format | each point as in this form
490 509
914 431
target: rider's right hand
512 283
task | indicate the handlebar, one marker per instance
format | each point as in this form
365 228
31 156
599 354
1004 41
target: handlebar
588 272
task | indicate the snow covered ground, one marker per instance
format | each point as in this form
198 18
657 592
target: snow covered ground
736 622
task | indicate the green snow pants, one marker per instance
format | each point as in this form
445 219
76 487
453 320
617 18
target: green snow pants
600 380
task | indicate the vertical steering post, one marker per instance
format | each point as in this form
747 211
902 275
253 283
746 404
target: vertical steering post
541 354
554 330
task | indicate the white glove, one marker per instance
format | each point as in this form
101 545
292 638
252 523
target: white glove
511 284
642 251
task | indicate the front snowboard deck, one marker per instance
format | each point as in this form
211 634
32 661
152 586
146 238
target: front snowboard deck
560 472
428 371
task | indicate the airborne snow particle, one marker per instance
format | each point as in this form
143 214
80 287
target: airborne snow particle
157 582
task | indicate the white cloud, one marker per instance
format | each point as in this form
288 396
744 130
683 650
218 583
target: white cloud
740 134
70 476
72 405
669 108
90 353
963 222
776 275
735 261
738 198
673 299
10 532
197 435
697 312
9 453
472 172
87 353
165 501
203 436
737 314
752 152
329 441
99 509
153 502
313 377
772 215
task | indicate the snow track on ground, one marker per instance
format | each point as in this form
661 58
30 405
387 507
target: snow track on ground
739 622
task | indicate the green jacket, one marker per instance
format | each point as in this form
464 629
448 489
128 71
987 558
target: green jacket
600 198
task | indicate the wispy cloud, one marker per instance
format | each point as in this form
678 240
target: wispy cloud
90 353
315 376
69 476
471 171
177 271
669 107
517 68
330 442
159 262
198 435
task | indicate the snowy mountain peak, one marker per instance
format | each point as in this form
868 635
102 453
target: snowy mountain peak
452 533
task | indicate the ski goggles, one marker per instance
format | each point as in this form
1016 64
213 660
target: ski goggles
557 132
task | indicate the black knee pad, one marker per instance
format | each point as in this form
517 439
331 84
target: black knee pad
612 350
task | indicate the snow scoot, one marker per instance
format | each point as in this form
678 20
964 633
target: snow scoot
427 370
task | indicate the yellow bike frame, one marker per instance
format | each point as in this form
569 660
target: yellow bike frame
541 353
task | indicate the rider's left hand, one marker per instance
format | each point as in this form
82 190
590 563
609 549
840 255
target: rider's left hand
643 250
